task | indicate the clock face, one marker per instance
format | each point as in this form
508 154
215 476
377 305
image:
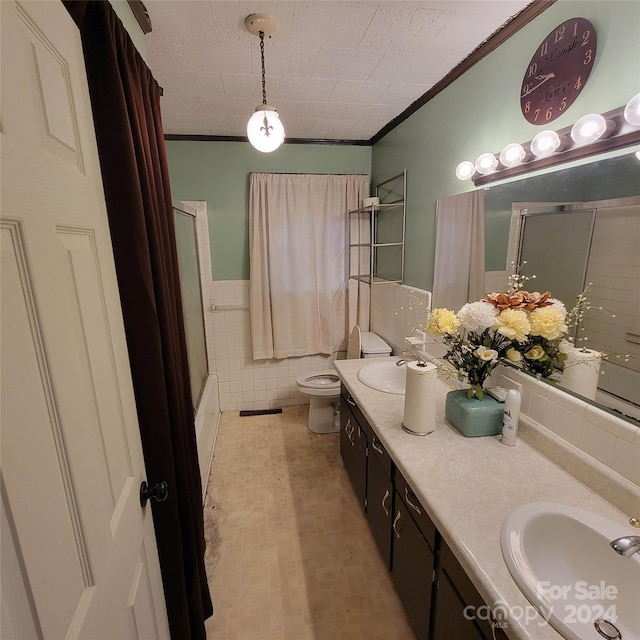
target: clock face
558 71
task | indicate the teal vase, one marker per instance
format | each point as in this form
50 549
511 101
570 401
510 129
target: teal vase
473 417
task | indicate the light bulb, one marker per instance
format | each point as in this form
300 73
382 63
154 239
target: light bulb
465 170
486 163
545 143
264 129
632 111
588 129
513 155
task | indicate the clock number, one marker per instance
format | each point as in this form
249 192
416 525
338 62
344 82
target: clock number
549 114
587 57
575 29
578 85
559 34
544 48
533 69
585 38
563 104
537 112
527 106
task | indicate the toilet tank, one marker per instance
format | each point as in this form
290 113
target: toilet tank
373 346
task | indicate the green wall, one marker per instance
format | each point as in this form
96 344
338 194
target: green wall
218 172
481 112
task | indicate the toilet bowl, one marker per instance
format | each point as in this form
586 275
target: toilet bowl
323 387
323 390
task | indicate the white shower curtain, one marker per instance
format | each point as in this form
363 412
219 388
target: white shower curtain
459 260
298 271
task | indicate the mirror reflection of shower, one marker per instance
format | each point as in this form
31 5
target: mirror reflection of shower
575 246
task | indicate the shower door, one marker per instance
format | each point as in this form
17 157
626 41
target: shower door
191 288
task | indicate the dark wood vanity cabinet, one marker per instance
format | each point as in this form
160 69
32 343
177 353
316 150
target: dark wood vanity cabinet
440 600
413 558
353 448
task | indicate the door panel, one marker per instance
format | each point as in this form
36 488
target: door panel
80 550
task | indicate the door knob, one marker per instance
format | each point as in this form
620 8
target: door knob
159 492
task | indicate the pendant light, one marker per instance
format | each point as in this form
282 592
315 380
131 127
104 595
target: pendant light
264 129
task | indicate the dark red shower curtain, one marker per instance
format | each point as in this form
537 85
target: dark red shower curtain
125 100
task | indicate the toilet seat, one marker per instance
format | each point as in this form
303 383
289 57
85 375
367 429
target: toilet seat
320 383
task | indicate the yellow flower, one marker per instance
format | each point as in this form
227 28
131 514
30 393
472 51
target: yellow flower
513 355
513 324
547 322
536 353
442 322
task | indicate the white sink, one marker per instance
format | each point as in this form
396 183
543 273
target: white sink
561 559
384 376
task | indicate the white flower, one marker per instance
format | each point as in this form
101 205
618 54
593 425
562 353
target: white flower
488 355
477 316
565 346
559 305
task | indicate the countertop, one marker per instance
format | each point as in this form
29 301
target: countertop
468 487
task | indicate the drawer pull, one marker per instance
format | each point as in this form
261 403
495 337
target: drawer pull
384 499
396 522
376 446
409 503
351 401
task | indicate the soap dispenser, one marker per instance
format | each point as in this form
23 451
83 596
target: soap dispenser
511 418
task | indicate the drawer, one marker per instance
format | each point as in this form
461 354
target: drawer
355 409
417 511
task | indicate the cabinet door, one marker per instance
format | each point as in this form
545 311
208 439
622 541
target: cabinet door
353 449
450 619
379 506
457 603
412 570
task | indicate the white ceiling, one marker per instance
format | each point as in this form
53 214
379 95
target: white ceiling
335 69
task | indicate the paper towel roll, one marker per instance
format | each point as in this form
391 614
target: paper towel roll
581 372
420 399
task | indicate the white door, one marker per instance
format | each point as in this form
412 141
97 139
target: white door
79 558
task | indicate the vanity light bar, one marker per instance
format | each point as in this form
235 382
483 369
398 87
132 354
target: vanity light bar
593 133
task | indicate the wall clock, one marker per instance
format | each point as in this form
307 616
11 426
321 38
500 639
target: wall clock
558 71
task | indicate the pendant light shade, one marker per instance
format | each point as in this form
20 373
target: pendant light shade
264 129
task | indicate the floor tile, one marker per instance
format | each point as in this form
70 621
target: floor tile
289 555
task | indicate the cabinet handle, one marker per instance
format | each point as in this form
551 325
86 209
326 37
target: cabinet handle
376 446
384 499
350 401
395 525
409 503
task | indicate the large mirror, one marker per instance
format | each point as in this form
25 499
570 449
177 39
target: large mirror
574 227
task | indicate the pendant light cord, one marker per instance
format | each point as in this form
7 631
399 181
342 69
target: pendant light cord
264 90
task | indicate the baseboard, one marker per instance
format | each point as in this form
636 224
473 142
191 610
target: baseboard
207 421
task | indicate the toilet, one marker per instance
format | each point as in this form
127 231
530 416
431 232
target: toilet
323 387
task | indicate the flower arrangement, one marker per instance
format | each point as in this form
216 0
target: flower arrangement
529 328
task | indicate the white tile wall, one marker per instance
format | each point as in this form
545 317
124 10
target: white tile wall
604 436
396 311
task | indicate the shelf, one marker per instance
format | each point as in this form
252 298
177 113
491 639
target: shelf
380 223
376 279
378 207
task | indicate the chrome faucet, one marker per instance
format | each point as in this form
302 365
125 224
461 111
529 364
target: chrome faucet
411 357
626 546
